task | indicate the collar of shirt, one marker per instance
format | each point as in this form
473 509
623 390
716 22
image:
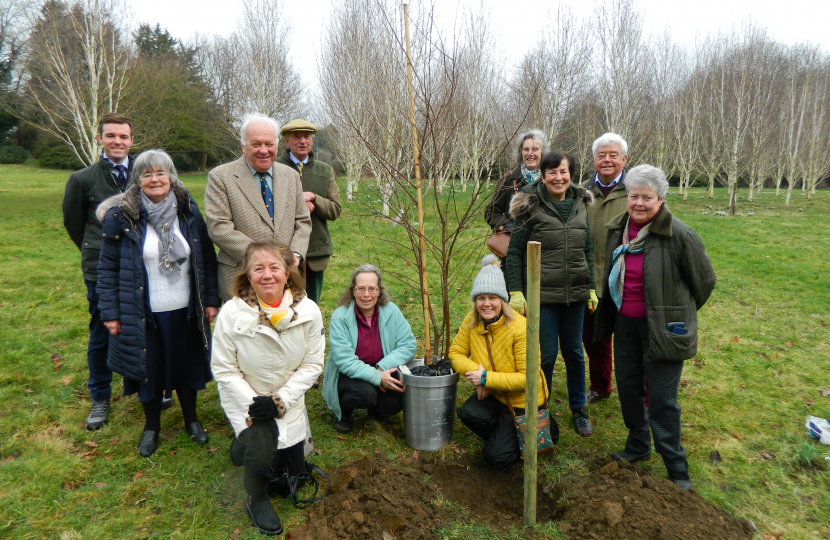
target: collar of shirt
125 163
295 160
256 173
614 183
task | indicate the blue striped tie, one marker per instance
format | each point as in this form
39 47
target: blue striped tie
267 196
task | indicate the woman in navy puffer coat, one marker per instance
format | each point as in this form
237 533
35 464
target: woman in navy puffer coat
158 292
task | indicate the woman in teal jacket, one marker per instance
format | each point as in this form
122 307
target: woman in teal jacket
368 339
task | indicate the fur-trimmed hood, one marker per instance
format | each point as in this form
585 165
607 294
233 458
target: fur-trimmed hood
525 201
130 201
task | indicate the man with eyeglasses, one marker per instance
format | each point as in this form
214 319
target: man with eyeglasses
610 199
85 190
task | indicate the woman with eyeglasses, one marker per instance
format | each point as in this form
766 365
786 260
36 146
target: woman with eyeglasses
368 339
158 294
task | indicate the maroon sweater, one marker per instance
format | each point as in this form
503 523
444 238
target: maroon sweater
634 294
369 348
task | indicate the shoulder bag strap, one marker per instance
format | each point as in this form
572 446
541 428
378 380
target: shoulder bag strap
493 367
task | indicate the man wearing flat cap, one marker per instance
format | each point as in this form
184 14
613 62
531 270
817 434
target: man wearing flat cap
321 195
254 199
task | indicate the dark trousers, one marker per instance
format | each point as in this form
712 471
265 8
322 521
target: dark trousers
314 284
359 394
263 460
560 325
599 357
100 376
491 420
630 348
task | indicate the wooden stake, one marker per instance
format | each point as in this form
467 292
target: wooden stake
534 276
418 195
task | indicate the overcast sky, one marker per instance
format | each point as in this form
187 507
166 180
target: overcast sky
519 22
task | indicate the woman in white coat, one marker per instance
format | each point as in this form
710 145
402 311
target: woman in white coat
268 347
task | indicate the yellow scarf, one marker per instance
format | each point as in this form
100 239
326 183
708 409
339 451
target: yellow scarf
277 314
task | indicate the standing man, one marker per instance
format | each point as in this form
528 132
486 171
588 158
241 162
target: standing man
254 199
608 186
321 195
85 190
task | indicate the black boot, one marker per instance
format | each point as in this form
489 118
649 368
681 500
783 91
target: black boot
260 444
263 517
196 432
148 444
344 425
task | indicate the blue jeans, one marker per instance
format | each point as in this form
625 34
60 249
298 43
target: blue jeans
560 325
100 376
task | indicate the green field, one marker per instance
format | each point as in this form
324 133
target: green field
763 361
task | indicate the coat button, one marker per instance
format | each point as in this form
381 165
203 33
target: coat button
142 288
127 230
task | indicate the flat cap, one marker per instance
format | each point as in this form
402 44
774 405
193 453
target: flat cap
298 125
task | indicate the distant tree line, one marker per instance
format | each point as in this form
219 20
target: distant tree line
738 109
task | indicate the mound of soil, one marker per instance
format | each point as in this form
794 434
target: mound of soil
622 501
374 498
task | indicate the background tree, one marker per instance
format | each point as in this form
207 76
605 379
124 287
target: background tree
78 68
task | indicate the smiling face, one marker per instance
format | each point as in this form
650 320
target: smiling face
557 180
643 203
299 142
366 292
116 140
488 306
531 153
268 276
260 146
609 162
155 183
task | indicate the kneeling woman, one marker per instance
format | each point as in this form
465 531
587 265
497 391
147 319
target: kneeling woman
268 349
493 330
368 339
158 293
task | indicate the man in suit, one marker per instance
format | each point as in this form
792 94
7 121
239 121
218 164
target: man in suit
85 190
254 199
610 199
321 195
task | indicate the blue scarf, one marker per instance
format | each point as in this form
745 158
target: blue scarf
616 280
530 176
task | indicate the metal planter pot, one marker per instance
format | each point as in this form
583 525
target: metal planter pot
428 409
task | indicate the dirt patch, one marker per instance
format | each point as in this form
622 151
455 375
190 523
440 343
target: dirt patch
621 501
374 498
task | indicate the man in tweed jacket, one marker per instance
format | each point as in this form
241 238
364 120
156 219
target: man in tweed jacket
235 208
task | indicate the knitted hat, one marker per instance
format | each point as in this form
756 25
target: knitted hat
490 279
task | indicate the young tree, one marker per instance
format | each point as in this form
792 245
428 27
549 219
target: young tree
78 69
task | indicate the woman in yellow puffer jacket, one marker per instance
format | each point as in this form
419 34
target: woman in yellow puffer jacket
492 323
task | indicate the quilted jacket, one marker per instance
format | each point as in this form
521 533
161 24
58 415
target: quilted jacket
507 342
122 282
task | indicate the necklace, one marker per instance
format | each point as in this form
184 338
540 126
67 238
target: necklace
165 256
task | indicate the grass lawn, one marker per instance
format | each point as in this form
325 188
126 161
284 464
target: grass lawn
761 366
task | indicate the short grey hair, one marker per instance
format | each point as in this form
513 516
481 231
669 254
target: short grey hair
252 118
647 176
607 140
348 295
154 159
536 135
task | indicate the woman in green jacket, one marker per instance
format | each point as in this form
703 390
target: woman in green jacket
657 276
554 213
368 339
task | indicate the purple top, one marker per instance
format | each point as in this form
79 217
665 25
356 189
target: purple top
634 294
369 349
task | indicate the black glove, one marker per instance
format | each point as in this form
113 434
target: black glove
266 408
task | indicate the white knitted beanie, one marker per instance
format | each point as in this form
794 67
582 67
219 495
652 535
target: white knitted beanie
490 279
